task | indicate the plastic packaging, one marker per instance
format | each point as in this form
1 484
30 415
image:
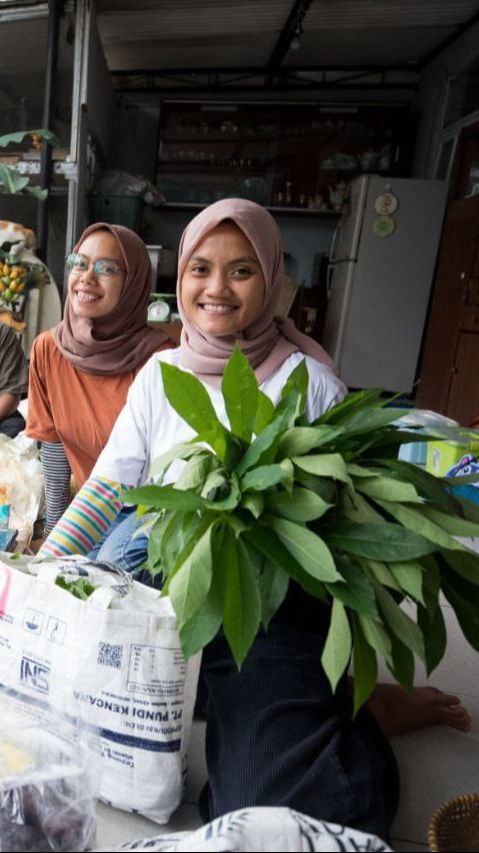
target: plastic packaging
47 786
21 478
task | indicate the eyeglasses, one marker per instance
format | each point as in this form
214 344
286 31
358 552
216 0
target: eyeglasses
103 268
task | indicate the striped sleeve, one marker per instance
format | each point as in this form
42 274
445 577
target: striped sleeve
87 519
56 474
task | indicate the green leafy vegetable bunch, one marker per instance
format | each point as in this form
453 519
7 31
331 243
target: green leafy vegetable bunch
326 505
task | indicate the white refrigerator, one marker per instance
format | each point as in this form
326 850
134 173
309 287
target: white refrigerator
381 271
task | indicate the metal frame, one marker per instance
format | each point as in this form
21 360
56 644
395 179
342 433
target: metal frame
290 78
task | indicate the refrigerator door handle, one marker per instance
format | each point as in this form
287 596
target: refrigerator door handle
329 279
332 258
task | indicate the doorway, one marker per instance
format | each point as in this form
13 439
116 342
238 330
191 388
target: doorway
449 373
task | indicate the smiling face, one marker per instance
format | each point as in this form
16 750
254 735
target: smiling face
91 296
223 287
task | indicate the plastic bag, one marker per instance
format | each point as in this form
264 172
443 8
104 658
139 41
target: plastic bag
21 476
48 782
116 182
77 631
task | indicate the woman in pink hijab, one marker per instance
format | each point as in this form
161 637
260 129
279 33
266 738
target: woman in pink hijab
276 735
81 370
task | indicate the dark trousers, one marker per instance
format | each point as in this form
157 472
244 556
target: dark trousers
12 425
277 736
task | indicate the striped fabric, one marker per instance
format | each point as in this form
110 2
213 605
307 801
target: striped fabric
87 519
56 474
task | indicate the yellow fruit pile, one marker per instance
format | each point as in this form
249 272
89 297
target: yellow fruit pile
12 282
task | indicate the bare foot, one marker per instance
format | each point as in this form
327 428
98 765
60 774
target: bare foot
398 711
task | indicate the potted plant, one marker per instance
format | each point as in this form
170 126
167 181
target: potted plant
327 504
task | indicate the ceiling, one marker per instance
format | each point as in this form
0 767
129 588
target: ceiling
177 37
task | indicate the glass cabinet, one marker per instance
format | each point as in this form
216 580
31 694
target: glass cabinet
283 156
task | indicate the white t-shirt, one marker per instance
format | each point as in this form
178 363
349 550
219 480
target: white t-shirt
148 426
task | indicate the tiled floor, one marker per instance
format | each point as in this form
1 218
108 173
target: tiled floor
435 764
439 763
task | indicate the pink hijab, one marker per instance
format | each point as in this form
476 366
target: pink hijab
120 341
269 341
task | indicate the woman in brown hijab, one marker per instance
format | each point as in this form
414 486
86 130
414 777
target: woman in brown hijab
81 370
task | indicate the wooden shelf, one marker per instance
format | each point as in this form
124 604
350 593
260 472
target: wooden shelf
282 211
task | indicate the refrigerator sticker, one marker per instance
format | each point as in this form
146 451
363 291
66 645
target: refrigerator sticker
383 226
386 203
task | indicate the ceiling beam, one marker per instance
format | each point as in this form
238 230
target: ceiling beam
291 30
258 70
458 32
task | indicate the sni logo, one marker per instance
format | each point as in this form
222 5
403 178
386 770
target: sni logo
34 675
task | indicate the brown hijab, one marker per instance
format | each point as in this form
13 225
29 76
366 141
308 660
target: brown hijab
269 341
120 341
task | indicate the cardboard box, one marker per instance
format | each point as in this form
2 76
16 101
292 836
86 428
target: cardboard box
443 456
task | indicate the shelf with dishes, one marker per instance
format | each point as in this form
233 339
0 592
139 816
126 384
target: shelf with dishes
284 156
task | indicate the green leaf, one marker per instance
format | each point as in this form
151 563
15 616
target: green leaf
413 519
189 586
365 667
273 585
203 626
308 549
240 392
353 402
358 509
453 524
467 614
181 451
460 480
196 471
465 564
242 608
261 445
382 573
267 543
355 589
400 623
324 465
468 509
431 583
178 537
371 419
378 541
264 412
19 136
426 484
301 505
11 180
264 476
155 539
337 648
325 489
188 396
254 503
37 192
164 497
216 486
409 577
297 441
434 635
376 636
402 663
384 488
298 380
360 471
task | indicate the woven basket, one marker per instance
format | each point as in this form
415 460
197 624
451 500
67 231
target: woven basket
455 825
